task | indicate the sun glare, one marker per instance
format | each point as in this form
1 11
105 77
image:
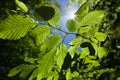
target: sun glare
72 16
71 13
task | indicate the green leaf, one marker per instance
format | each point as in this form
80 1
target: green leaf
46 12
53 75
92 18
101 52
47 64
30 60
34 74
93 62
26 71
93 30
40 33
61 53
15 70
84 29
68 75
16 26
50 43
72 25
72 51
75 41
21 5
74 44
56 18
100 36
82 1
85 52
82 11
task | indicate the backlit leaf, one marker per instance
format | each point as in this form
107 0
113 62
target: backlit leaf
40 33
101 52
72 25
21 5
82 11
16 26
84 29
47 64
50 43
34 74
92 18
61 53
100 36
85 52
68 75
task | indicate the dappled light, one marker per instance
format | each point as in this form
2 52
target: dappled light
46 40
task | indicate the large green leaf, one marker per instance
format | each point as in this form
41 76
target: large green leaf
92 18
100 36
21 5
50 43
82 11
15 26
40 33
46 64
56 18
15 70
61 53
72 25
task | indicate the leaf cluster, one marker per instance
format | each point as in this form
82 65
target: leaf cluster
92 55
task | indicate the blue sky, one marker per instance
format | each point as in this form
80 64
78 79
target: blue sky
66 13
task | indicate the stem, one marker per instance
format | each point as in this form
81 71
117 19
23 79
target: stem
77 34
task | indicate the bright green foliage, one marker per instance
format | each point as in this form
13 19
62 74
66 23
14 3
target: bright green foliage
21 5
84 29
82 11
72 25
60 56
75 43
34 74
100 36
93 54
16 26
68 75
50 43
102 52
92 18
40 33
84 53
46 64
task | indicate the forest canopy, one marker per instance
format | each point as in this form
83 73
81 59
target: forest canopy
32 49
